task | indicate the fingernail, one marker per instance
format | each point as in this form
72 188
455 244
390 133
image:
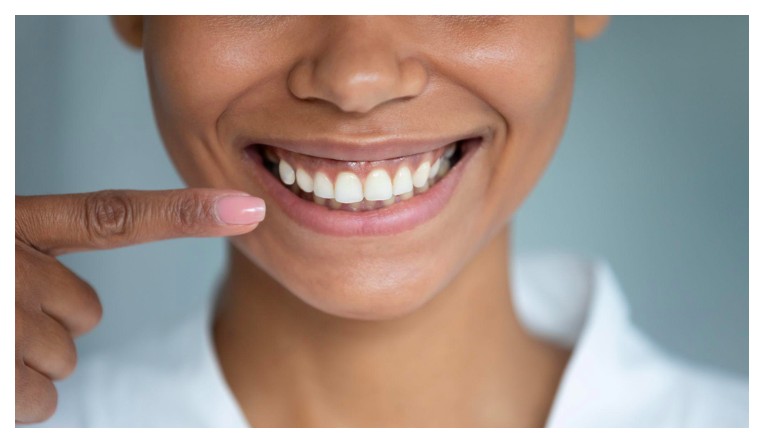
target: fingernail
240 210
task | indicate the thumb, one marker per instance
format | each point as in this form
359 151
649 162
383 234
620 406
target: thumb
57 224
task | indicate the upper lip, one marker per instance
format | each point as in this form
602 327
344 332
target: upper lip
364 149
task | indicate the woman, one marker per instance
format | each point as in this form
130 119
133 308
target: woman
388 156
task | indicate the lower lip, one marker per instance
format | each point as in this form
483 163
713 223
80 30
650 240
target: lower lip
400 217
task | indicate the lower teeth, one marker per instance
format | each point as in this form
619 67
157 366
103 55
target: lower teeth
446 163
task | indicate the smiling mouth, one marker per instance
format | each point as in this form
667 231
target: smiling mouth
361 185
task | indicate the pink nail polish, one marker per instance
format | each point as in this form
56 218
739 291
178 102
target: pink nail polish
240 210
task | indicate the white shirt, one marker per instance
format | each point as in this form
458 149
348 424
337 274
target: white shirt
616 377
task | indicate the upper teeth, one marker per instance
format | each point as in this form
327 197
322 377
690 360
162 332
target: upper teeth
420 177
403 181
304 181
434 168
323 187
377 186
348 188
286 172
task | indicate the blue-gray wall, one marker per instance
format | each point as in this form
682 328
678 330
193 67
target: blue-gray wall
652 173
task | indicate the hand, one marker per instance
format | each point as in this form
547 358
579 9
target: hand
54 305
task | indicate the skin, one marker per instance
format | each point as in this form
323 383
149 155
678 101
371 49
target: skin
214 79
412 329
54 305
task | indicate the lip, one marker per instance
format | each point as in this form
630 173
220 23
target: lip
361 149
400 217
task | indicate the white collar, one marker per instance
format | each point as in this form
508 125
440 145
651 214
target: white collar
615 375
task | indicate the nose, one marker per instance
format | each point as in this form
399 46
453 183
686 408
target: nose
358 67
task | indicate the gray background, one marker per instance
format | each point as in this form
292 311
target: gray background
652 173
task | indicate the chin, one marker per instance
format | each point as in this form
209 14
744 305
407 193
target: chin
382 300
363 285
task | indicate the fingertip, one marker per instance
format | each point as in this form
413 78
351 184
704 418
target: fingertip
240 210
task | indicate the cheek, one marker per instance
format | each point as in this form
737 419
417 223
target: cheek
194 73
529 85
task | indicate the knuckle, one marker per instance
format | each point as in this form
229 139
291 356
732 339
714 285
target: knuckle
190 212
108 214
59 351
67 360
36 397
48 403
22 219
93 313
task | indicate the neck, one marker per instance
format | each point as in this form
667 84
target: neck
460 360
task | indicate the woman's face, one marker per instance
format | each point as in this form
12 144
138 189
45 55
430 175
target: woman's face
363 219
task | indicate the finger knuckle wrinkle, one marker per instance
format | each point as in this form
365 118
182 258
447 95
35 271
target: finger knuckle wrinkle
108 214
190 213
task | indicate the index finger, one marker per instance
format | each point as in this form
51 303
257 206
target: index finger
57 224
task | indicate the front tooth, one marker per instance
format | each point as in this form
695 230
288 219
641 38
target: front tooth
378 185
322 186
348 188
304 181
286 172
403 182
434 168
420 177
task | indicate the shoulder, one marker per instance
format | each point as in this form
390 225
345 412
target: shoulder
617 375
166 379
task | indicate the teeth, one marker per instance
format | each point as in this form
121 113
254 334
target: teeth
443 167
349 193
333 204
304 181
348 188
420 177
450 151
322 186
270 155
378 185
434 170
403 181
286 172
